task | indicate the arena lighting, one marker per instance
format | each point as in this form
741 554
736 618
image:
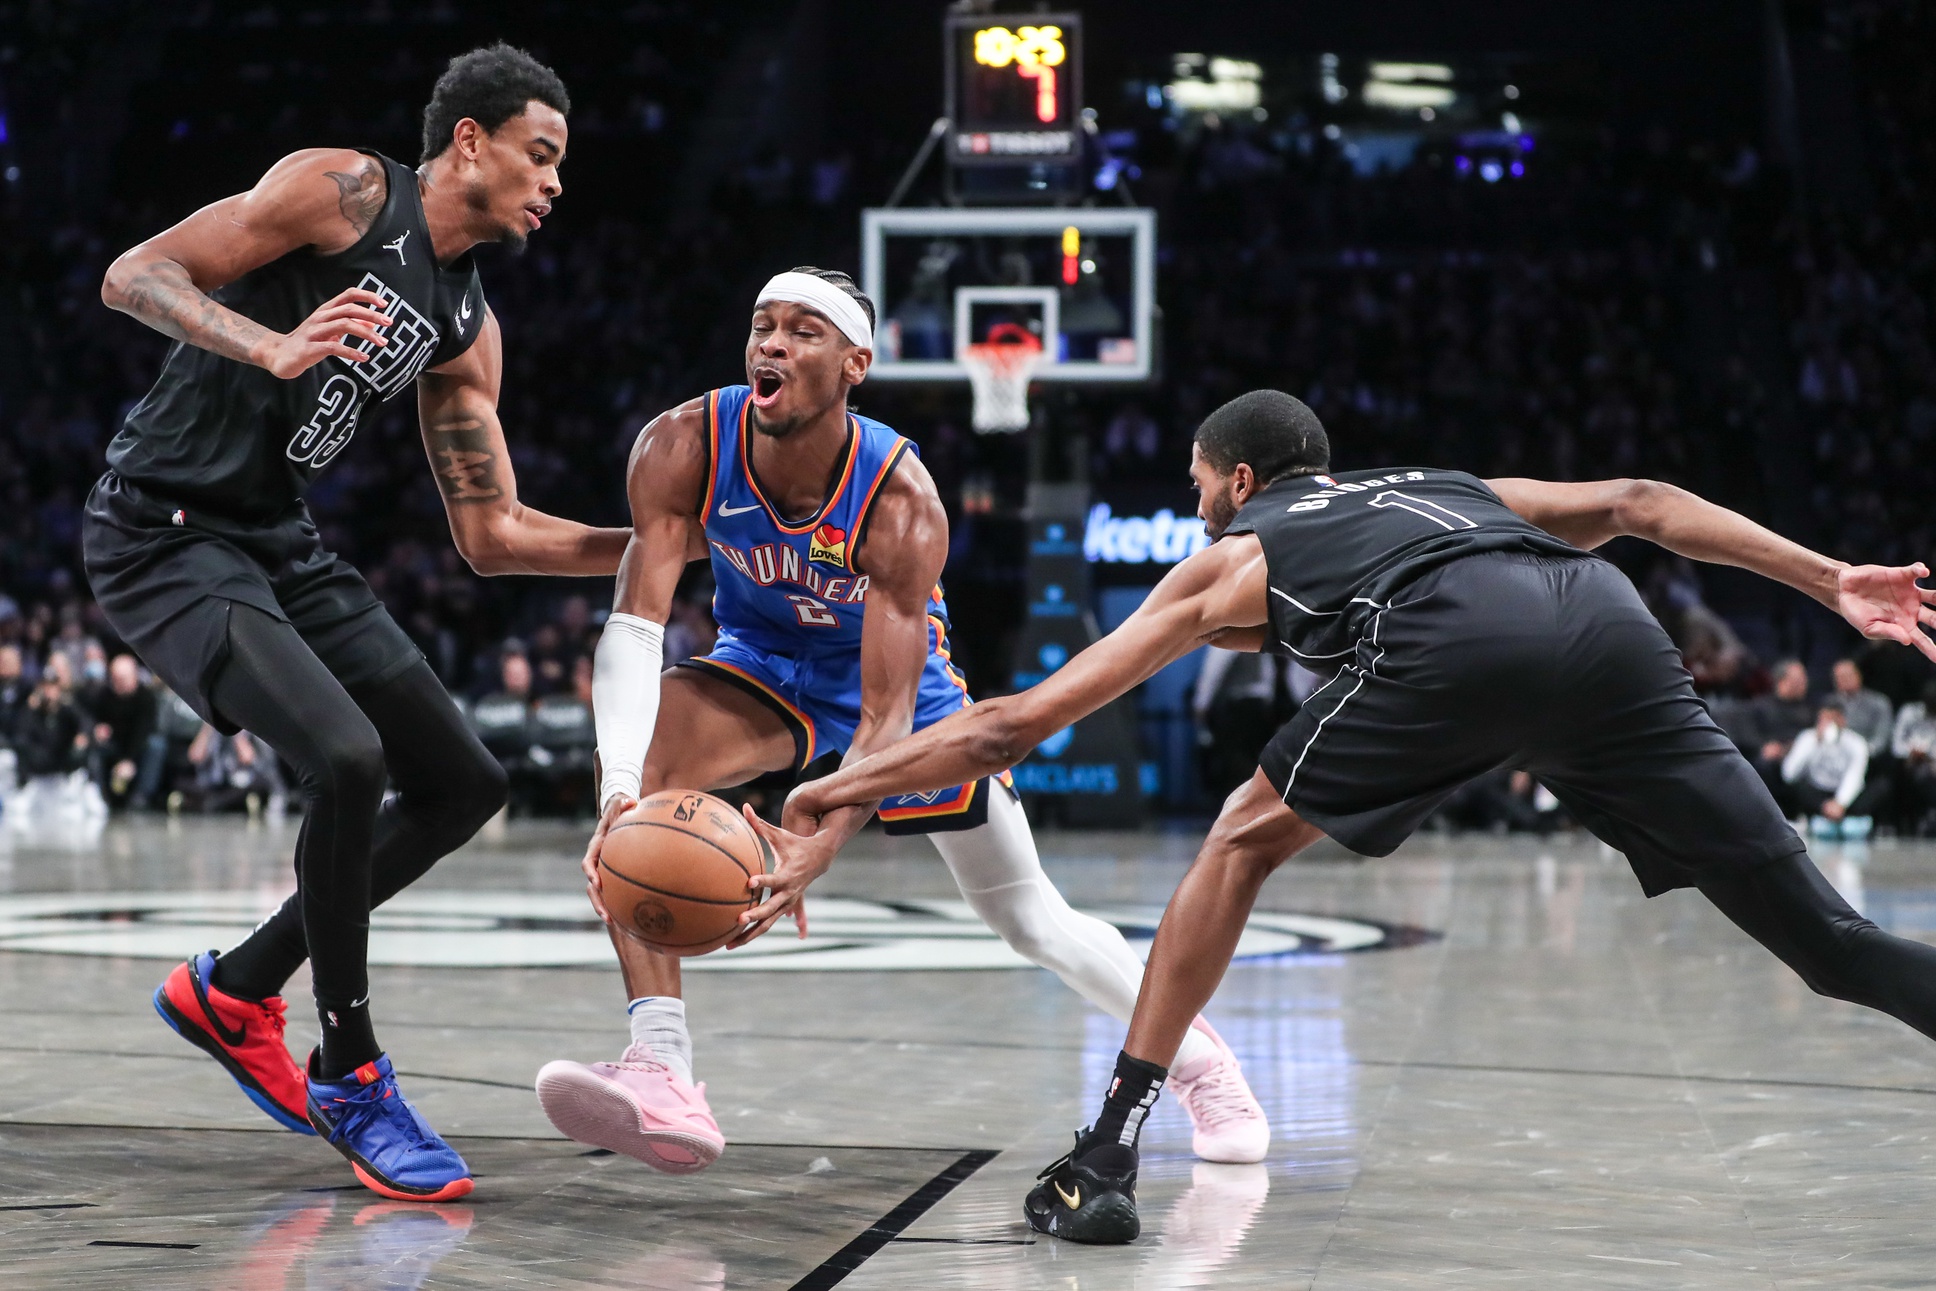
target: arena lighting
1334 90
1234 84
1407 97
1398 85
1410 72
1034 52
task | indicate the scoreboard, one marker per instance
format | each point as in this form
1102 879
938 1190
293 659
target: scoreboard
1014 88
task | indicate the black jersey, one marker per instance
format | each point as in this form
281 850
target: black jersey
230 437
1337 546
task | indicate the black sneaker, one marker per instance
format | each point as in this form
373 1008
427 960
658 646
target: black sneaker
1087 1196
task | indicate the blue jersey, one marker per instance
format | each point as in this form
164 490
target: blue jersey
790 602
789 587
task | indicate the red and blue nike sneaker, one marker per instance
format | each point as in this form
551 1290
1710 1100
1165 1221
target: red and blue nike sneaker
245 1036
392 1149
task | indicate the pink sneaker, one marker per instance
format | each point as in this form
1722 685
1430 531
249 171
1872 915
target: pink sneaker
636 1106
1230 1125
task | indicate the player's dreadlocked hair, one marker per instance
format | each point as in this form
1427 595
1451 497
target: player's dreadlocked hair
846 284
1277 434
490 86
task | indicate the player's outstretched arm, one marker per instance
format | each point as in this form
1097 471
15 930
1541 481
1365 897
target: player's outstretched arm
325 198
905 547
1220 588
665 480
1883 603
497 534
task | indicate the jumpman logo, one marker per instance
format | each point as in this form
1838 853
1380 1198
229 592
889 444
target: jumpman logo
397 246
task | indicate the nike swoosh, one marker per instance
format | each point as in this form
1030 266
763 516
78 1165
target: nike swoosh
1073 1200
227 1037
725 510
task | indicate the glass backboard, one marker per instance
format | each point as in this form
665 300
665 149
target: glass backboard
1082 280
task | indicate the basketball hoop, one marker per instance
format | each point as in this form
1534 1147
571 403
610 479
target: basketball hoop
998 372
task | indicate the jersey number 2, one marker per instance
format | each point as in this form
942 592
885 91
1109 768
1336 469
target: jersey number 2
814 614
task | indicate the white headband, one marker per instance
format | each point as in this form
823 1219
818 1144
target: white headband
842 310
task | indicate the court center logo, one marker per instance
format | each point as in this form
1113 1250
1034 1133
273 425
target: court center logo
558 930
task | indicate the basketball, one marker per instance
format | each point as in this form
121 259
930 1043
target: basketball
675 870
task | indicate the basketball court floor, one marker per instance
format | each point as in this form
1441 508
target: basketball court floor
1489 1063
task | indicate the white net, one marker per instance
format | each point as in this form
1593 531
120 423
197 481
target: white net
999 376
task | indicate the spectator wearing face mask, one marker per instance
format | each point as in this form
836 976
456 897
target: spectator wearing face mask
1826 773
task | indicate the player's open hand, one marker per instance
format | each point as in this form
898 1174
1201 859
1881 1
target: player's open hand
326 333
594 880
798 861
1886 603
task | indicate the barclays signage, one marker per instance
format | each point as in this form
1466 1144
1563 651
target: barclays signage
1061 778
1160 539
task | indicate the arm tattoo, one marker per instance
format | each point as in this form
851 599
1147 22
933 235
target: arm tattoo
360 196
465 462
164 297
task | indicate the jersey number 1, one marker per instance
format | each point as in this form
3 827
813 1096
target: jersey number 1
1443 517
814 614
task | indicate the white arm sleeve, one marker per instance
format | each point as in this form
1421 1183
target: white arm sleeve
625 700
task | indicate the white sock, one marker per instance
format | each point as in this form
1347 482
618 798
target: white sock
659 1023
996 867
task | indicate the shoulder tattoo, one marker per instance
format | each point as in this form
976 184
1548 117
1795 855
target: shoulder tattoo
360 194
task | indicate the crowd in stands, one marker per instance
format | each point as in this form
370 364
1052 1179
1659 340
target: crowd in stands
85 728
1862 297
1842 760
1538 325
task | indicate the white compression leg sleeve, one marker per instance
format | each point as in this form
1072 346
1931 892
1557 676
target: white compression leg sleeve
996 867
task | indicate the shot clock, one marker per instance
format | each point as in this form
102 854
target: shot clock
1014 88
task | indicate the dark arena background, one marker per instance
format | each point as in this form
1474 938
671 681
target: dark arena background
1683 242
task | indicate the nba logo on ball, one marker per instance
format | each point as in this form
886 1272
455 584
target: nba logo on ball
829 545
653 920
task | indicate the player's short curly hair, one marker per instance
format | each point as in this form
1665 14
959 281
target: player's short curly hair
845 283
1276 433
490 86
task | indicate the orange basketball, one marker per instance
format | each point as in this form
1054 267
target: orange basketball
675 870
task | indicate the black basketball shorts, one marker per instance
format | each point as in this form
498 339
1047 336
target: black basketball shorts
165 576
1548 663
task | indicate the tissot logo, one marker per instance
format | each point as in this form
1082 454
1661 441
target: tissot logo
556 930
